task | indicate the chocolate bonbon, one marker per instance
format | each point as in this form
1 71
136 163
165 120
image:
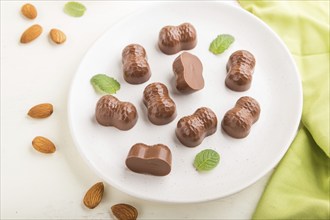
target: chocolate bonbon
237 121
191 130
136 69
173 39
112 112
240 68
188 70
155 160
161 108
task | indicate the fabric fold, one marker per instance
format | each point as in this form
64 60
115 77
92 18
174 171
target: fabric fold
299 186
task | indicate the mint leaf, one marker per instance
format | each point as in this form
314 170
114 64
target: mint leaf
221 43
74 9
206 160
104 84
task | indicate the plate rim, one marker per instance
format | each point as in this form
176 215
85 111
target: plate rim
253 180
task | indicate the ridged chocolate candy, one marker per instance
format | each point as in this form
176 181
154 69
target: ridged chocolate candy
191 130
112 112
240 68
238 121
173 39
136 69
161 108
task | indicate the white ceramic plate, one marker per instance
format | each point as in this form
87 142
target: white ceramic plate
276 86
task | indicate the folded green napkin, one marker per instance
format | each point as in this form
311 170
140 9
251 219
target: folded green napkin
299 187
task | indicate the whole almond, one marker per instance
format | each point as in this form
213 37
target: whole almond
31 33
43 145
29 11
124 212
43 110
57 36
94 195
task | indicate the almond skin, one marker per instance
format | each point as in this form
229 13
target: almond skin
31 33
29 11
124 211
43 110
43 145
57 36
94 195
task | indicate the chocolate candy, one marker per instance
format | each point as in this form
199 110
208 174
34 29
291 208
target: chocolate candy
161 108
112 112
237 121
240 68
191 130
135 65
173 39
188 70
155 160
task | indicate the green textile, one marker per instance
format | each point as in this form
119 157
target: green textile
299 187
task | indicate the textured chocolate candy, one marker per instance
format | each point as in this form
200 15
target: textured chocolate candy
240 68
173 39
161 108
191 130
188 70
112 112
155 160
135 65
237 121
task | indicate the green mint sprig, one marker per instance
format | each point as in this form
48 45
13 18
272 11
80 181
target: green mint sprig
206 160
221 43
104 84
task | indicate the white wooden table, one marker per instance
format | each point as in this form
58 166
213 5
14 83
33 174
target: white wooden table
38 186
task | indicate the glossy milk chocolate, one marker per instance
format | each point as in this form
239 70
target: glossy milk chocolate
173 39
238 121
188 70
161 108
191 130
110 111
136 68
240 68
155 160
